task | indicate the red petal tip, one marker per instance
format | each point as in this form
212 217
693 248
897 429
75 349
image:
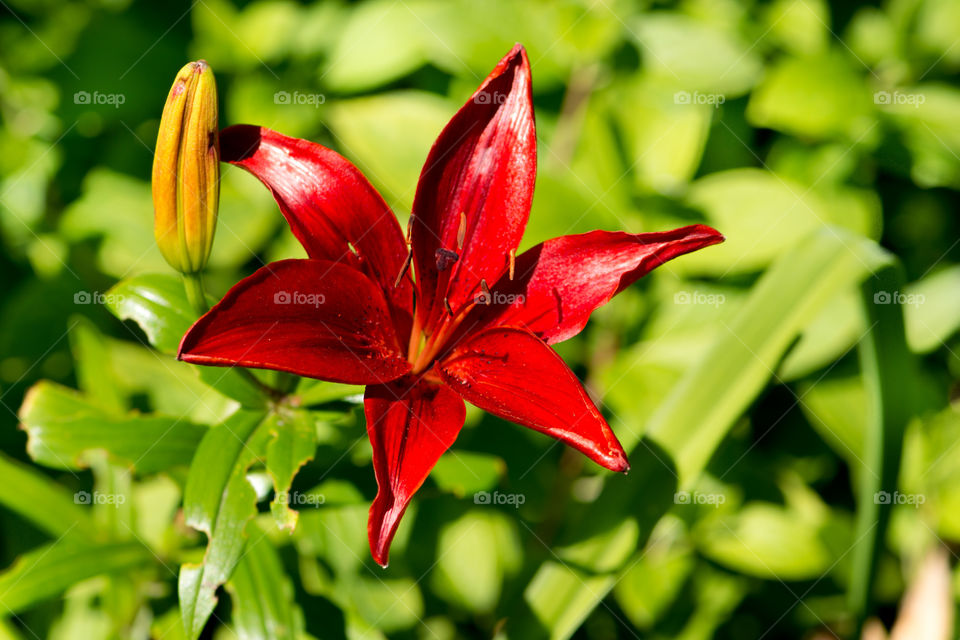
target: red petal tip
617 461
707 234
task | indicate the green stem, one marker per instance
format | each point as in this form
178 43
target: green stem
193 283
264 388
287 382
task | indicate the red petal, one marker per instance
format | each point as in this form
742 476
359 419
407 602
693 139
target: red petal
559 283
328 203
481 169
410 424
314 318
514 375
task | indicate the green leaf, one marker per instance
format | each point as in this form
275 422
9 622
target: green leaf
932 309
768 541
316 392
388 136
835 409
396 38
743 358
95 376
761 214
385 604
651 583
158 304
928 116
889 373
263 597
800 26
664 136
697 56
582 570
465 472
219 501
49 570
64 428
476 552
818 97
293 444
38 499
831 334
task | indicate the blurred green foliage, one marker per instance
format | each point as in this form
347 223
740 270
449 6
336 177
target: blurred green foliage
821 139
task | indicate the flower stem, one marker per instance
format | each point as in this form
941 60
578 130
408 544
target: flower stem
193 283
287 382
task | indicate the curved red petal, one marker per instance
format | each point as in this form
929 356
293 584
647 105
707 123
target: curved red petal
514 375
474 194
559 283
410 424
332 209
314 318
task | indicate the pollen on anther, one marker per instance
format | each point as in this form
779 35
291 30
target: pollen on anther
462 231
445 258
513 258
485 297
404 268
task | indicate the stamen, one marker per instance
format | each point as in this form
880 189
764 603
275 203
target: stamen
446 303
409 227
512 256
353 249
445 258
462 231
404 268
485 297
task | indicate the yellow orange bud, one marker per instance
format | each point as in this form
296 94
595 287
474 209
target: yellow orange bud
186 170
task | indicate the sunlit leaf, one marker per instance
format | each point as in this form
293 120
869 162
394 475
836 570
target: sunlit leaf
63 427
219 501
262 596
47 571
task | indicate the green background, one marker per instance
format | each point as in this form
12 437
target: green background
822 140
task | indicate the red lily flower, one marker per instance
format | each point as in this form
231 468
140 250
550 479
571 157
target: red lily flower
475 324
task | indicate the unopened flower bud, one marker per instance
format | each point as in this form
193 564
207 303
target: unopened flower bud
186 170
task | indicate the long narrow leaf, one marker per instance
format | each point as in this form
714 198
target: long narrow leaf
710 397
888 371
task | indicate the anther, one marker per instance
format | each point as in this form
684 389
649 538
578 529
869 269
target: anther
513 258
404 268
485 296
445 258
462 231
